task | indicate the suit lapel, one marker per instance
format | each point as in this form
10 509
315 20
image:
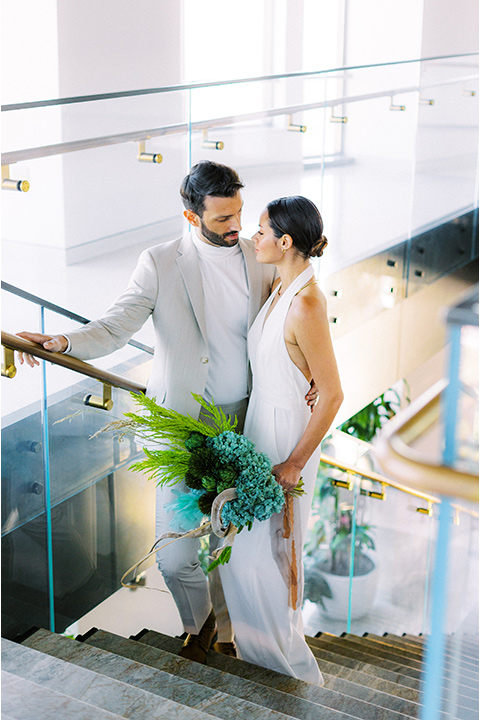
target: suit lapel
254 280
189 268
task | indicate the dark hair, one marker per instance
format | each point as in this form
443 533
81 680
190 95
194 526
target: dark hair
208 178
298 217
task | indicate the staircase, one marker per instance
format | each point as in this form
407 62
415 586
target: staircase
104 676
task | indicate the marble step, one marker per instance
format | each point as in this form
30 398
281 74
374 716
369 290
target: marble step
284 700
338 645
330 668
390 641
469 647
25 700
336 652
321 696
331 654
133 671
99 691
358 690
381 650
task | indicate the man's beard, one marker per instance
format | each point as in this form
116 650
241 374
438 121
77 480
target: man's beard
225 240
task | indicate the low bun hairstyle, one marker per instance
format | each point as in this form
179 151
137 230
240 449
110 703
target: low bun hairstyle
298 217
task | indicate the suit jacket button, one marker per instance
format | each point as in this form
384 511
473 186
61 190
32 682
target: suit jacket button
204 360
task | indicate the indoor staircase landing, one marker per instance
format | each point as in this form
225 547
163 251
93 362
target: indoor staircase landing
102 675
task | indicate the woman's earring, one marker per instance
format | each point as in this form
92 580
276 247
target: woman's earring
284 249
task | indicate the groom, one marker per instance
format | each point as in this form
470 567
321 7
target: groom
203 291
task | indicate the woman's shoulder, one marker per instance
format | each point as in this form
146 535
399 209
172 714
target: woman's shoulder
310 303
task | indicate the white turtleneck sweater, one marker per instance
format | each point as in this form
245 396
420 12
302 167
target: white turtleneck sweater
225 293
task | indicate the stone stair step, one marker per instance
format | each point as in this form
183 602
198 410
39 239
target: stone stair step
283 700
153 679
321 696
331 654
365 645
333 669
25 700
469 675
469 647
367 663
350 650
91 687
466 661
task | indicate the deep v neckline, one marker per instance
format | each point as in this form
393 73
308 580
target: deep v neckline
270 310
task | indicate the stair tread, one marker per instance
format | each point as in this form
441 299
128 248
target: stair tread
25 700
451 656
155 680
375 647
91 687
295 697
370 655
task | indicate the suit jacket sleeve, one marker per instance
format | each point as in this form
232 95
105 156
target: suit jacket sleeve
125 317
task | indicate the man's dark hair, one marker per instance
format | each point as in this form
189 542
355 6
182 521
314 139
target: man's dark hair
208 178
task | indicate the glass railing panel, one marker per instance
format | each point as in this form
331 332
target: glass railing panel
452 621
50 125
392 540
379 146
98 514
75 236
446 169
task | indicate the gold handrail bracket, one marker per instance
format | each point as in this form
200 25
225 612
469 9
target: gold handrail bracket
8 366
101 403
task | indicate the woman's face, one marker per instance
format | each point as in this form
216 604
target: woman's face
267 247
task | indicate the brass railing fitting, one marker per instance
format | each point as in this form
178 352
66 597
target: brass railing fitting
470 93
147 157
400 108
375 494
101 403
211 144
425 101
338 118
8 366
425 511
9 184
347 484
293 127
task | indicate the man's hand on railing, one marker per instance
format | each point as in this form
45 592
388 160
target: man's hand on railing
54 343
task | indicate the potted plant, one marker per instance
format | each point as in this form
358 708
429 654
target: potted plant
328 554
329 551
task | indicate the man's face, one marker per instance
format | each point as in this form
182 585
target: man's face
220 223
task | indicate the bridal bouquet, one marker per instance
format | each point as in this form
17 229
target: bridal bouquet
213 459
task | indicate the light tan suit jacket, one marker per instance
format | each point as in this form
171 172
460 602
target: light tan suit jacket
167 284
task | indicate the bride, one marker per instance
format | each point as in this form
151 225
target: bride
289 343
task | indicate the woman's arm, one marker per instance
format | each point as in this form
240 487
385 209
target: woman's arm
307 331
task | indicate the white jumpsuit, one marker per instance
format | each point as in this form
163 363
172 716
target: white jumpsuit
268 632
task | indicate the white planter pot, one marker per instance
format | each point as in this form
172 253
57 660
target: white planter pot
364 588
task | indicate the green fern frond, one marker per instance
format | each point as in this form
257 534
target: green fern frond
222 559
221 422
167 467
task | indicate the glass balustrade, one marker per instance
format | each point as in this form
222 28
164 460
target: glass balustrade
370 553
73 516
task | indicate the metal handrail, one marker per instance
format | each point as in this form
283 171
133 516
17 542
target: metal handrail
63 311
15 156
217 83
388 482
14 342
395 453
